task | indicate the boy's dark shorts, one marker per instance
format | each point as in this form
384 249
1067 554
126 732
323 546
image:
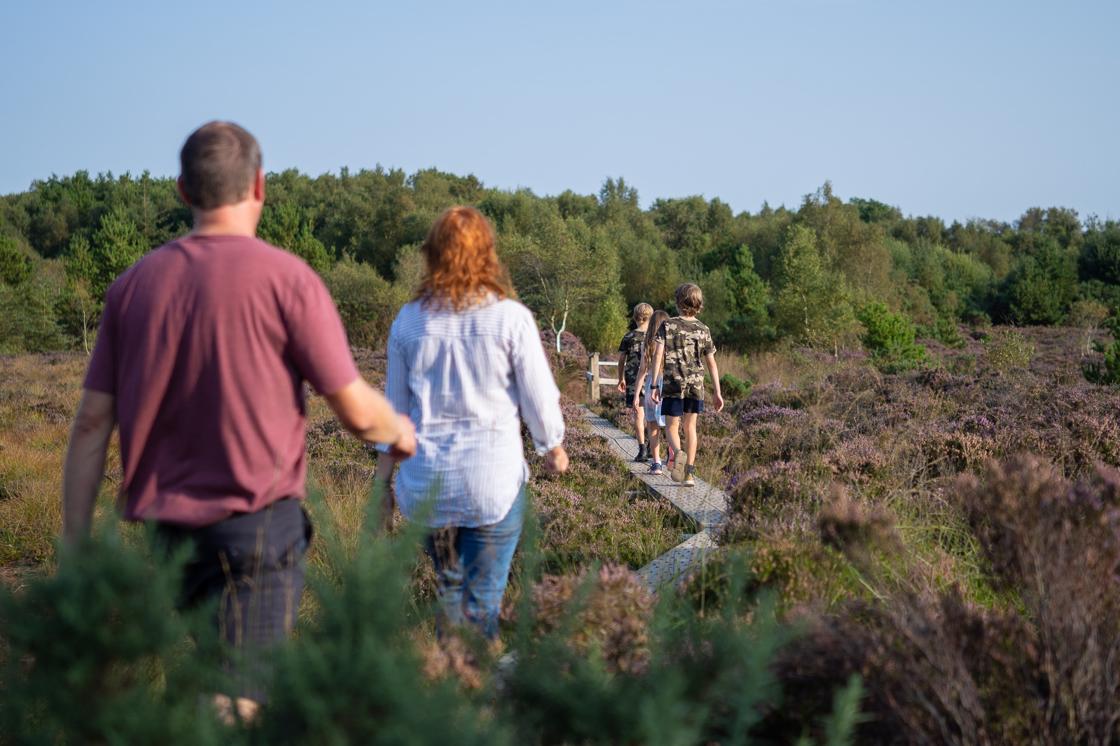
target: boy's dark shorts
678 407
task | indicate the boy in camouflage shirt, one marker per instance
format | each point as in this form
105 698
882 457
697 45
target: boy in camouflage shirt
629 361
684 349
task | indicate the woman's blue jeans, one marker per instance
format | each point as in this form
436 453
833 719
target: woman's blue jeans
472 568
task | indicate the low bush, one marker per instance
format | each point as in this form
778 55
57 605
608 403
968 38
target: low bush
1008 350
1106 369
732 387
889 338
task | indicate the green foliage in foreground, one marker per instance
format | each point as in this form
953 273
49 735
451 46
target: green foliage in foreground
97 653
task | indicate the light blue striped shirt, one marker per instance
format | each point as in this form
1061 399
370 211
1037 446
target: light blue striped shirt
464 378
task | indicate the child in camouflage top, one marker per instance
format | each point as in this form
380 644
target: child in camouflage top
629 360
684 349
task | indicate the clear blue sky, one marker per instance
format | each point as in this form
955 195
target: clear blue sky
959 109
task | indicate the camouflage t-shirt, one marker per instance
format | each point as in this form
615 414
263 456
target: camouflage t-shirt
686 342
632 347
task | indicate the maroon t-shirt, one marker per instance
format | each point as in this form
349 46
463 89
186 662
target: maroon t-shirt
205 343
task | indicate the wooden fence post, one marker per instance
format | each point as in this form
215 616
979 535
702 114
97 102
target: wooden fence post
593 379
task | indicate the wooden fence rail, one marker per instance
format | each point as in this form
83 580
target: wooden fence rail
595 379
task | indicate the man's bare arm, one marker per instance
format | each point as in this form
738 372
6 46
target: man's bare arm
369 416
85 462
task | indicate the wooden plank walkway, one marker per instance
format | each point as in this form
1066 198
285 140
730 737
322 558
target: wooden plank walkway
704 504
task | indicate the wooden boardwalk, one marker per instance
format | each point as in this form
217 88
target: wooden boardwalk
704 505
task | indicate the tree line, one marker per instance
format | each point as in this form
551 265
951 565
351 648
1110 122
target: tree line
807 275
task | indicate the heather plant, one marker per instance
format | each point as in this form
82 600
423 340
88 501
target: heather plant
1106 370
1008 350
686 678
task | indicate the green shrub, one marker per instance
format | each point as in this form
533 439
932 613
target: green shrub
366 301
733 387
1008 350
889 339
1106 371
947 331
96 653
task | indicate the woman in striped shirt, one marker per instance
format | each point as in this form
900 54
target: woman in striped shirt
467 364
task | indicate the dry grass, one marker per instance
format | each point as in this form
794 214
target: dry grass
38 397
587 515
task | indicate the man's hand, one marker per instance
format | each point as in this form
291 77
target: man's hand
405 445
718 402
621 386
556 461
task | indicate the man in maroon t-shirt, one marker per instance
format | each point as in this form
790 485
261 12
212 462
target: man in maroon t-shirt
200 361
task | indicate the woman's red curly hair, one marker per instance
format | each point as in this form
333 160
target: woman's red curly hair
462 263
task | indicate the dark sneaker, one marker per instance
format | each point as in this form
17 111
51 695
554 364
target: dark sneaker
655 468
643 454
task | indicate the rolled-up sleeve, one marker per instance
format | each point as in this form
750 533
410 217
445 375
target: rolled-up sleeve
538 396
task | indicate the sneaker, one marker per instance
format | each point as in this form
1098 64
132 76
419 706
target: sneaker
689 477
678 471
655 468
643 454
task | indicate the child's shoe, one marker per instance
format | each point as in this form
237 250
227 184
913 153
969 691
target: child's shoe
689 477
655 468
678 471
643 454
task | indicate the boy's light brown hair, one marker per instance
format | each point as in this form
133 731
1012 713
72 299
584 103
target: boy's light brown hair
690 299
642 312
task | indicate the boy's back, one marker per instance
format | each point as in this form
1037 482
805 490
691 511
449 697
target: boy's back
631 347
687 340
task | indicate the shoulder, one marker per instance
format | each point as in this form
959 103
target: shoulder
407 319
514 311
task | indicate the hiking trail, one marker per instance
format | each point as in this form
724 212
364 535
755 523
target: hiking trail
703 504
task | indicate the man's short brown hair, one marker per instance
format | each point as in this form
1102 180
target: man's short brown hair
218 163
690 299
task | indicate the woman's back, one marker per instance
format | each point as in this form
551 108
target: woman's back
464 377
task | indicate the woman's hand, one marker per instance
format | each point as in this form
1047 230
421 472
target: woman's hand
655 395
556 461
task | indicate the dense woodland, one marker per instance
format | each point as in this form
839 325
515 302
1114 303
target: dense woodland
806 275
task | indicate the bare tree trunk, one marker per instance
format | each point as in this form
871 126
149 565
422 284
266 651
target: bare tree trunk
563 326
